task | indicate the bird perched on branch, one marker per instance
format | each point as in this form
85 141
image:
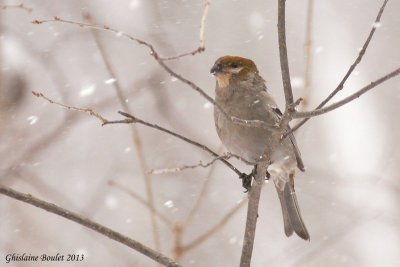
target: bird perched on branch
241 93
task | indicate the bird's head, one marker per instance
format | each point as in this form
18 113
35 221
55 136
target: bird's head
233 67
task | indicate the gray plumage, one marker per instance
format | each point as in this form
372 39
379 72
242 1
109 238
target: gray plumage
241 93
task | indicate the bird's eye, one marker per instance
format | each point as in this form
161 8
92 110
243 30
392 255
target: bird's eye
234 65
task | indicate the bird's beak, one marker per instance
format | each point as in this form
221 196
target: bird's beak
216 68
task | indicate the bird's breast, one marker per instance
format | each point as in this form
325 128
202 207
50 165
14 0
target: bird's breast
246 142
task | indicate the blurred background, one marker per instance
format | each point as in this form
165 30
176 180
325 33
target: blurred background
349 195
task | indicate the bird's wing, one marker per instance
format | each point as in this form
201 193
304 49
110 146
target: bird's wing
267 99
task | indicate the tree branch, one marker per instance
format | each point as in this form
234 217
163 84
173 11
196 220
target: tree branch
308 55
20 6
287 87
185 167
161 62
201 46
350 70
200 164
133 119
313 113
252 214
52 208
89 111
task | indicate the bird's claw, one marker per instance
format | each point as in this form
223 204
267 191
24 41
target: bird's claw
247 179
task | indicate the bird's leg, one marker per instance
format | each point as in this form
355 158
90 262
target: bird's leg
247 179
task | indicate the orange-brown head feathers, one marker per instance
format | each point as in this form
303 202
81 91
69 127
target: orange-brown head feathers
228 67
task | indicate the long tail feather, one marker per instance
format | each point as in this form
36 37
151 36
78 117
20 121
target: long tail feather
291 213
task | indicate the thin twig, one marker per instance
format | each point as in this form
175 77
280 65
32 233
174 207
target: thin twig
350 70
308 55
136 139
215 228
20 6
185 167
158 58
142 201
201 46
50 207
287 87
313 113
252 215
199 165
89 111
133 119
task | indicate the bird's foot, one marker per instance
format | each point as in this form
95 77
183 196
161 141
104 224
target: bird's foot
247 179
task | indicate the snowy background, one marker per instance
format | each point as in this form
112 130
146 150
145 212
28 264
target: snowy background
349 195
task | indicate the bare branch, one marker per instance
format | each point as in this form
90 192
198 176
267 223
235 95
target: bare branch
185 167
252 215
350 70
133 119
201 47
287 87
153 52
308 55
313 113
20 6
50 207
161 62
200 164
85 110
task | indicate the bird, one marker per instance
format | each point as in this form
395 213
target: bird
242 93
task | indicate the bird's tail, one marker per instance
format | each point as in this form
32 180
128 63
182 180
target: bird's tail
291 212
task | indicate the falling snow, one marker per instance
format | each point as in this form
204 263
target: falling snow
111 202
233 240
207 105
87 89
169 204
134 4
32 119
297 82
110 81
256 21
319 49
74 158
